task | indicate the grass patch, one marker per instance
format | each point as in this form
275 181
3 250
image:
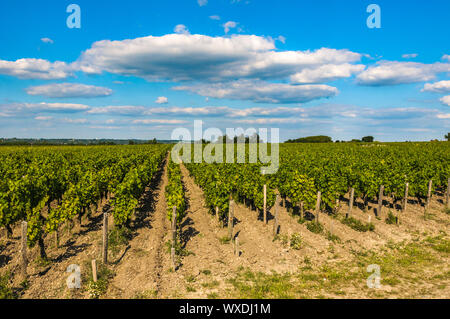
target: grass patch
404 265
104 275
408 261
296 241
211 284
358 225
250 285
284 239
333 238
439 243
206 272
224 240
190 278
147 294
190 289
6 291
314 227
391 219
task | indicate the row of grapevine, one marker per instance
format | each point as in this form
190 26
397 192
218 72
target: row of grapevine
47 186
243 182
174 192
334 169
331 169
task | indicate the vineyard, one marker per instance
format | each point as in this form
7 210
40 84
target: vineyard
139 225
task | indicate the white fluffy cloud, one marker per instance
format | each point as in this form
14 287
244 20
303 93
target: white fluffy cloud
129 110
262 92
36 69
181 29
229 25
214 17
273 121
68 90
437 87
445 100
326 73
446 57
409 55
205 111
281 39
74 121
158 121
43 118
186 57
202 3
26 109
47 40
56 107
393 72
162 100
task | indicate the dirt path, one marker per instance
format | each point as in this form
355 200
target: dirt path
258 250
411 225
139 273
208 262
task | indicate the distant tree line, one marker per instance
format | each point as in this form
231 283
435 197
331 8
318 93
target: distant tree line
327 139
312 139
78 142
238 139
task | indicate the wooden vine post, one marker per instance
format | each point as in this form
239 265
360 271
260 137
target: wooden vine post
217 215
448 193
236 246
427 204
94 270
24 249
319 194
174 236
350 203
430 185
105 238
230 220
301 210
56 238
405 198
275 224
265 204
380 200
174 225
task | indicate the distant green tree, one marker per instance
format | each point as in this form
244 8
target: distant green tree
447 137
130 142
367 139
312 139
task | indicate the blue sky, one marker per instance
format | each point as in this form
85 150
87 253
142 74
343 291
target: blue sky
140 69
